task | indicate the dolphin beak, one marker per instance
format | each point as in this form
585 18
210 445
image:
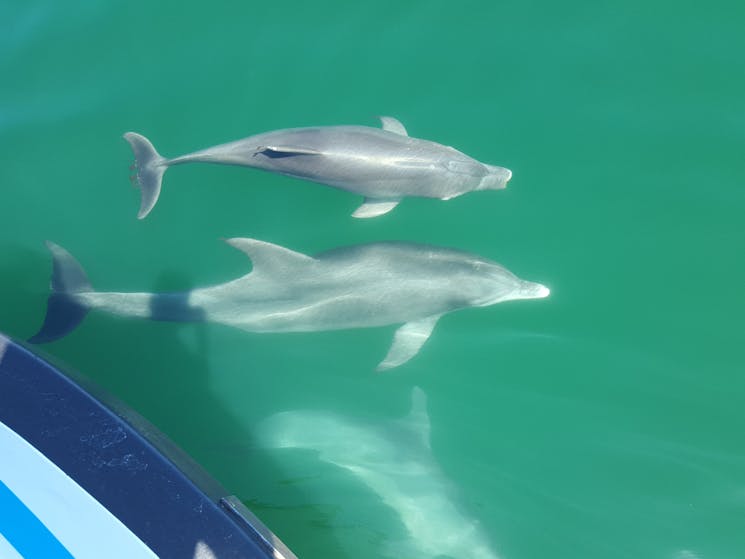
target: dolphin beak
532 290
497 178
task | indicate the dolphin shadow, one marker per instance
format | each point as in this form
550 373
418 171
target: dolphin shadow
22 284
178 395
189 410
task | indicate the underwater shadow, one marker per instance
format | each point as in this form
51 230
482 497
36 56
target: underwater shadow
189 410
24 288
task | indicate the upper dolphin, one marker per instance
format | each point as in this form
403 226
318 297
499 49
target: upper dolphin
359 286
384 165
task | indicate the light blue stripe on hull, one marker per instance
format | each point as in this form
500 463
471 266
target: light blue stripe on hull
25 532
40 505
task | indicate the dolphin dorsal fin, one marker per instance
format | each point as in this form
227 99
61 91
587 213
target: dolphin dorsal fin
391 124
268 258
418 418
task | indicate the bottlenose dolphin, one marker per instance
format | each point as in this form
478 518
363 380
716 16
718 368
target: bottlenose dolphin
394 460
359 286
384 165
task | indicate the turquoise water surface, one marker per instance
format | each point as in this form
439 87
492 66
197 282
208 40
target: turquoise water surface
604 422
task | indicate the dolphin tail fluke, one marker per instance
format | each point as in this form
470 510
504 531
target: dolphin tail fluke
64 312
150 167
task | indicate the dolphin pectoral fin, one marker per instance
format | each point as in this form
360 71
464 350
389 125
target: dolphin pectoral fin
407 342
374 207
451 196
391 124
286 151
268 258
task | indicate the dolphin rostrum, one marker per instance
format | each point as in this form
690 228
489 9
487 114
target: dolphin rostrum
384 165
359 286
393 460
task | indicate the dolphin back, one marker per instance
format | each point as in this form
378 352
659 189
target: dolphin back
64 312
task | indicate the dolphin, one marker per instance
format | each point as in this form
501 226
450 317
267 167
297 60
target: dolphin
360 286
394 460
384 165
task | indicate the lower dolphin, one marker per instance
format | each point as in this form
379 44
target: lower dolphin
384 165
394 460
360 286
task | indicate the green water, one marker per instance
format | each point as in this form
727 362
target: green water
603 422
